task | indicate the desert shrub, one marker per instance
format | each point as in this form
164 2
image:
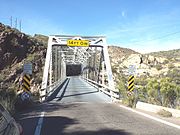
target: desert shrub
153 91
164 113
171 66
159 67
166 62
168 92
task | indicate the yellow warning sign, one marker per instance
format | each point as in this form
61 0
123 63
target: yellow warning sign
26 82
80 43
131 83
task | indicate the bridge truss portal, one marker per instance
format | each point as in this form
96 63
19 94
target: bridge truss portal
92 60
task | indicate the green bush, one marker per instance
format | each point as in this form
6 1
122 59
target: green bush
142 93
153 91
166 62
132 100
168 91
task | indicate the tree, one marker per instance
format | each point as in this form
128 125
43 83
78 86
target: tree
122 87
168 91
153 91
174 75
177 102
142 93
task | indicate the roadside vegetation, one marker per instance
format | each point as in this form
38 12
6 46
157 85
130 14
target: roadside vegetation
161 90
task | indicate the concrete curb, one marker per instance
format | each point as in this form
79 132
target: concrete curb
156 108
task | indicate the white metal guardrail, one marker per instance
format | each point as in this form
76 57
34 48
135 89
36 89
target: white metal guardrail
51 88
114 94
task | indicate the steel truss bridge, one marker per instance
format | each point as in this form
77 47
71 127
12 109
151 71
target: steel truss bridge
91 62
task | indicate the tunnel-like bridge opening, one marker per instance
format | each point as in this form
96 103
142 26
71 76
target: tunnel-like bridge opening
73 69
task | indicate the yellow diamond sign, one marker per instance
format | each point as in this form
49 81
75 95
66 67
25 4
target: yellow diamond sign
79 43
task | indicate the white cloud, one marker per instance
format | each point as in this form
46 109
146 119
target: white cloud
123 13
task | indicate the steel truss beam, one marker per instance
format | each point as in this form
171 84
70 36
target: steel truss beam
73 55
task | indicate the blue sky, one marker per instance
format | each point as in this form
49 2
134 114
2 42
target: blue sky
142 25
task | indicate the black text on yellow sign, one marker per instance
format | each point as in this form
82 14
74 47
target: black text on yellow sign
80 43
26 82
131 83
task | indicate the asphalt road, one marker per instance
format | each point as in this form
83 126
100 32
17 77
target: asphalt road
79 109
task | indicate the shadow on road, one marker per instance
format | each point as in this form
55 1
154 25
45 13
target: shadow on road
54 94
99 132
81 94
45 107
58 125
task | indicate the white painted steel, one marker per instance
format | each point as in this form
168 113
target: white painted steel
74 55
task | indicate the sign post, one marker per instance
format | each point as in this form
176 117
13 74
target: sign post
132 72
26 82
27 70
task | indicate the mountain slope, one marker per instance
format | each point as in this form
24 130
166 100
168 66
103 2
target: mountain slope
16 49
151 65
171 54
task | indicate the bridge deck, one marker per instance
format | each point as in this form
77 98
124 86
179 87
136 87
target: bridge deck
77 90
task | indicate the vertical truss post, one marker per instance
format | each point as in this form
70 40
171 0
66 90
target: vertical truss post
108 67
60 63
50 71
56 65
63 70
46 69
103 73
100 66
94 64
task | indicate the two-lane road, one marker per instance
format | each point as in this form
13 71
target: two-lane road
79 109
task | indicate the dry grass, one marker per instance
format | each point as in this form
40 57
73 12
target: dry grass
165 113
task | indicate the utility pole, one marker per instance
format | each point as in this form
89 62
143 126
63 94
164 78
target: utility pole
16 23
20 25
11 19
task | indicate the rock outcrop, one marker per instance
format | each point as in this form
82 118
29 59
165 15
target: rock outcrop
17 48
146 64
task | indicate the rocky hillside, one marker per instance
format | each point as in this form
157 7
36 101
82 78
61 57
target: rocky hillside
17 48
173 55
148 67
119 54
152 64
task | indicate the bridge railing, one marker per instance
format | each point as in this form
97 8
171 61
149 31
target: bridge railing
114 94
51 88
